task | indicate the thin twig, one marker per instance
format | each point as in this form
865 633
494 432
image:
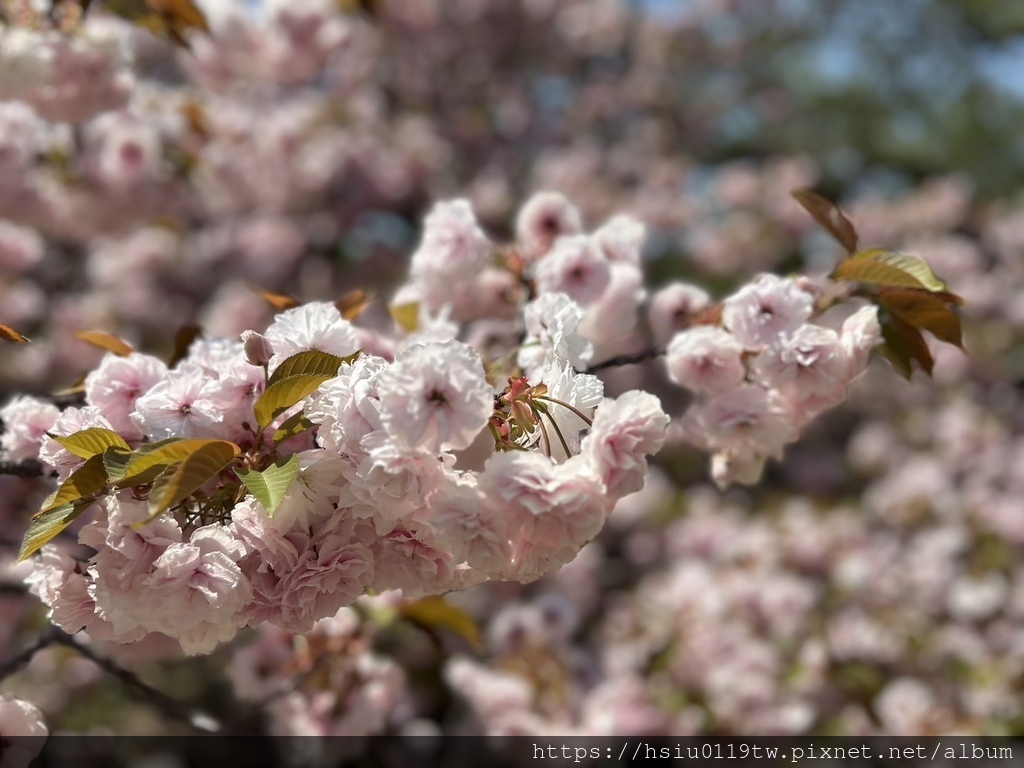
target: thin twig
561 438
564 404
15 663
197 719
614 362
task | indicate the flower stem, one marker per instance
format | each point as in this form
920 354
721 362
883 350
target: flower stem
566 405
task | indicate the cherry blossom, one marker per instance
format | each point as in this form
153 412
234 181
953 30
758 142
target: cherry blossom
435 396
767 309
705 359
20 720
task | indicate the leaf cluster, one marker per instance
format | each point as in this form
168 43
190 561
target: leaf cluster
909 296
202 478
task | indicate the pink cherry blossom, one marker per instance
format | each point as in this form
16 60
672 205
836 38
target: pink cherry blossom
860 334
317 325
625 431
576 267
300 576
472 526
26 421
435 396
410 559
809 362
347 407
621 238
197 590
183 404
544 218
705 359
454 249
612 320
118 383
21 730
767 309
552 321
746 421
672 308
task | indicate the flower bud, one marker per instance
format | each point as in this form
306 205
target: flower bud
258 349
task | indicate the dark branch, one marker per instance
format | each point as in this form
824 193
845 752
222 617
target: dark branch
196 719
15 663
26 468
615 362
54 635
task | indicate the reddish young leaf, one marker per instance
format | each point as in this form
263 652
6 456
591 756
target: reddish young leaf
166 18
828 215
353 303
106 341
923 310
904 343
278 301
882 267
9 334
182 341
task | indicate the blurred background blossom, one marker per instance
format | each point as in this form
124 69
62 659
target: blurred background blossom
872 583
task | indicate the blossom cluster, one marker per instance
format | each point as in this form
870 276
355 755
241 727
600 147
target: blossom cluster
422 468
898 612
468 442
917 633
765 372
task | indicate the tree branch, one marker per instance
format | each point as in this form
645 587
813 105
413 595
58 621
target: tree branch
15 663
27 468
197 719
54 635
614 362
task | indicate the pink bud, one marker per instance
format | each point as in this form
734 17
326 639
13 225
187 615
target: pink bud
258 349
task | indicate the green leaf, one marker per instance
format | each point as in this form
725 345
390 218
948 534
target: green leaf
434 612
292 426
284 393
270 485
888 268
49 524
310 363
925 311
115 461
148 461
87 481
89 442
828 215
406 315
202 464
